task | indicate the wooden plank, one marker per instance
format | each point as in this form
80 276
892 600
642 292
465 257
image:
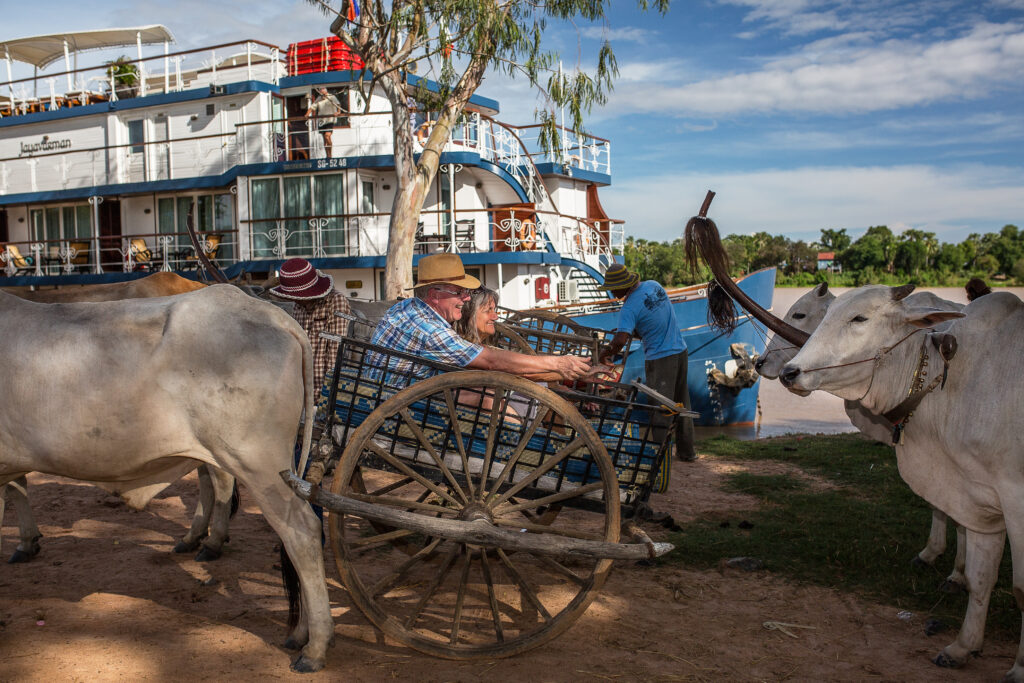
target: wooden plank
477 532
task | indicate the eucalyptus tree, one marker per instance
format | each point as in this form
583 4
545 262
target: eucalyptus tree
459 42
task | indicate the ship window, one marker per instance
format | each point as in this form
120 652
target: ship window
368 202
446 204
136 136
214 213
312 208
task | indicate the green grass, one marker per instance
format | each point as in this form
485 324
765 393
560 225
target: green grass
858 535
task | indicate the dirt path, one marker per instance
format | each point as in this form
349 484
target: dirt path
107 601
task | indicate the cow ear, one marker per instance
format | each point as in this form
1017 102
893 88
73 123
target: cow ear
930 317
822 289
902 292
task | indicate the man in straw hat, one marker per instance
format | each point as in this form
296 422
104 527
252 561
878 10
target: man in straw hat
648 314
422 326
316 300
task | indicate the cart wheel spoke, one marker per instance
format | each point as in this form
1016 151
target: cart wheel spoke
513 460
429 448
498 410
538 472
405 469
460 444
386 582
461 598
524 587
561 569
577 492
392 487
491 597
443 572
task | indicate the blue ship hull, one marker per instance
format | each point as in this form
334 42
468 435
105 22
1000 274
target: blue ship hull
708 349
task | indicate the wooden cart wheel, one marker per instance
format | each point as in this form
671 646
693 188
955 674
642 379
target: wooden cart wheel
514 339
561 323
454 599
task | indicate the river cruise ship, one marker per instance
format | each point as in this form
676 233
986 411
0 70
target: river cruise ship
100 166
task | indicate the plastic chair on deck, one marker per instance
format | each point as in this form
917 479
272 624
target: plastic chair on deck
210 245
141 254
22 264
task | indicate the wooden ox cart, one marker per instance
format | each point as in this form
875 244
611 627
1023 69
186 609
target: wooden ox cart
476 514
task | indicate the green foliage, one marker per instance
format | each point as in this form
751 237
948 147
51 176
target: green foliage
125 75
877 257
856 528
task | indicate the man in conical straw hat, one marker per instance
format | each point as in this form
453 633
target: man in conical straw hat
422 326
648 314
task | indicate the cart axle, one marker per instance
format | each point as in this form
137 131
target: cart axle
477 531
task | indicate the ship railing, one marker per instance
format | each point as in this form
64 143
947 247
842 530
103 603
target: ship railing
316 236
576 151
89 254
181 70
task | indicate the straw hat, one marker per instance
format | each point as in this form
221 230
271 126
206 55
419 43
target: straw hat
443 269
618 277
300 281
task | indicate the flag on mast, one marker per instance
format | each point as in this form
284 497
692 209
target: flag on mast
352 13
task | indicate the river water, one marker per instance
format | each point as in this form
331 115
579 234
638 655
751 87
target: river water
784 413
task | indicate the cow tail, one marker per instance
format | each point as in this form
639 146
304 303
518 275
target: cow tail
290 577
310 407
236 499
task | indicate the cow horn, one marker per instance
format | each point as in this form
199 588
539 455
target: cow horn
902 292
701 235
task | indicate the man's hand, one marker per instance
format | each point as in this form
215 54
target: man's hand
570 367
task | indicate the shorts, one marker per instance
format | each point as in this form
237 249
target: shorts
325 127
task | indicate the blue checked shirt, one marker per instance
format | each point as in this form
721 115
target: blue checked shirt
413 327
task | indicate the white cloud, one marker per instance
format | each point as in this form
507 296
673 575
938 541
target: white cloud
800 202
895 74
630 34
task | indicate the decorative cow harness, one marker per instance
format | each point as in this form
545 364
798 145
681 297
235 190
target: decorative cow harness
899 416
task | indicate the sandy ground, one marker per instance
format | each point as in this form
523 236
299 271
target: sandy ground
107 601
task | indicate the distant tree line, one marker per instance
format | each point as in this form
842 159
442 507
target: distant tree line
876 257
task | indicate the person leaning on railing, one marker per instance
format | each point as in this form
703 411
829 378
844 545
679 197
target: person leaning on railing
422 326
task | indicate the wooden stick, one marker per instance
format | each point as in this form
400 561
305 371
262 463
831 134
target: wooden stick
476 532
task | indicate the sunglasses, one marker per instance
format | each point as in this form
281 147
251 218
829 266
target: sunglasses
460 292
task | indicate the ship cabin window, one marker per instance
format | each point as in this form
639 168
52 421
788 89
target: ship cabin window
52 224
368 204
213 214
55 226
445 203
298 215
136 136
3 226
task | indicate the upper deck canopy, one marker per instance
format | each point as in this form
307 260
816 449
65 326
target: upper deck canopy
41 51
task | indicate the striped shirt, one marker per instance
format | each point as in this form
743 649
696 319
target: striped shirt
413 327
321 318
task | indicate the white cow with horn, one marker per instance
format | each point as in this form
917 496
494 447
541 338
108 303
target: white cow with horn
962 444
806 314
136 393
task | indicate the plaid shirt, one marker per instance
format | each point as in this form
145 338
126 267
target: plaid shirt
321 318
413 327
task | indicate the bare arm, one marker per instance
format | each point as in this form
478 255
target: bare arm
618 341
532 367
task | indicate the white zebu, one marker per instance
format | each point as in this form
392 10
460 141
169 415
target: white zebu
136 393
963 447
217 491
806 314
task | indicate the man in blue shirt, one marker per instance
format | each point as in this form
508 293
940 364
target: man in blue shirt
648 314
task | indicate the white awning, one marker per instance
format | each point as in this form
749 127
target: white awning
41 51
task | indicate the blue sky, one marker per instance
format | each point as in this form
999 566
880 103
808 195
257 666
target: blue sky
801 114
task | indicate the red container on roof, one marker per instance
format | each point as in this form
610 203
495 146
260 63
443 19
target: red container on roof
321 54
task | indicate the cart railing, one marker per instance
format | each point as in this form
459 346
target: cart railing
468 428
